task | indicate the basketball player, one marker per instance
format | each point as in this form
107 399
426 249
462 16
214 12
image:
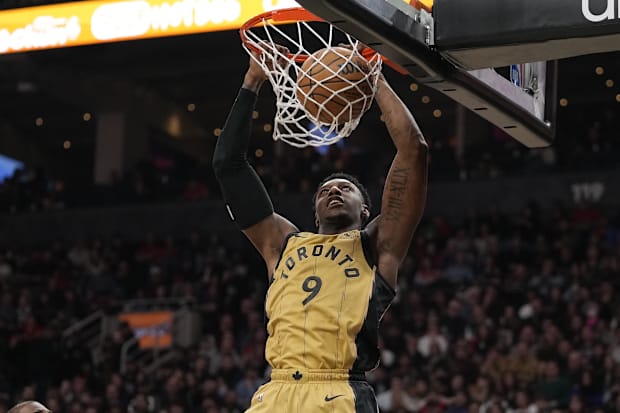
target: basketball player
29 407
328 291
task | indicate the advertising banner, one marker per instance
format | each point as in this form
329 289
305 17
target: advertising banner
97 21
153 329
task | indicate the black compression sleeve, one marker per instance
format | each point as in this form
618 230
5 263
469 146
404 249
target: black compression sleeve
245 195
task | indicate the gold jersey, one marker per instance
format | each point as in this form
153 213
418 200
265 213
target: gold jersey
325 303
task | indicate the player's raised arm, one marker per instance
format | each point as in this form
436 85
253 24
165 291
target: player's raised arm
404 194
245 195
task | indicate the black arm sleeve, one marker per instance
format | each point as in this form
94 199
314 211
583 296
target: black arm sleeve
245 195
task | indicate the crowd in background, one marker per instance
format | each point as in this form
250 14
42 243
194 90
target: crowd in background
494 313
583 144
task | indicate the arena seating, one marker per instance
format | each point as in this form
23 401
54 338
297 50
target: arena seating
495 313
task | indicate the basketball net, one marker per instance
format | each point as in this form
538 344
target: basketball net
293 124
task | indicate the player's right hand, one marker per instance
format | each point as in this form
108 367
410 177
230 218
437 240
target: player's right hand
268 54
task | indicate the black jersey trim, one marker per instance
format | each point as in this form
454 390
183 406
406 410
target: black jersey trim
386 284
357 375
368 253
284 243
365 399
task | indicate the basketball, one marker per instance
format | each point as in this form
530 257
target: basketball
333 86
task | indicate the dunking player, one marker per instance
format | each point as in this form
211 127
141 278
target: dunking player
29 407
328 290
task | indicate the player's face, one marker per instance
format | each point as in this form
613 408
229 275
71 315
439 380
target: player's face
340 202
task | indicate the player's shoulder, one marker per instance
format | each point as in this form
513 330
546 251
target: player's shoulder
353 234
297 238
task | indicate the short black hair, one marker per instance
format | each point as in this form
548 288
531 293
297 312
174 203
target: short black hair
350 178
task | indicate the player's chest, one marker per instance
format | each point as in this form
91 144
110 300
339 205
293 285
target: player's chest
324 273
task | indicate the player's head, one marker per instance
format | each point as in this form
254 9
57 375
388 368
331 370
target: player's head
29 406
341 200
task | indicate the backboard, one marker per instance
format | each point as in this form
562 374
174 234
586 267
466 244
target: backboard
453 46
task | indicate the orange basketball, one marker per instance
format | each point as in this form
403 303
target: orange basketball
334 86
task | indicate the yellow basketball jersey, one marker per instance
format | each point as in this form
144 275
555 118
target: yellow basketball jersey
325 303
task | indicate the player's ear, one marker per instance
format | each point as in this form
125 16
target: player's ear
365 212
316 220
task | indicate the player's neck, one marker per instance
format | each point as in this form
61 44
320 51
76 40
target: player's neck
331 229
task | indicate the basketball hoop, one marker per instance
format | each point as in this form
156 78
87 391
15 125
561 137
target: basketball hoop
308 33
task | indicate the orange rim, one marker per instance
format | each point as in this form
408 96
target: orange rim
289 15
296 14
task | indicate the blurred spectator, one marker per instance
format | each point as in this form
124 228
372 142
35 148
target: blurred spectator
396 399
553 387
534 331
586 141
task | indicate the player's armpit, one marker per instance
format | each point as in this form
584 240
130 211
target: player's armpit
372 229
268 238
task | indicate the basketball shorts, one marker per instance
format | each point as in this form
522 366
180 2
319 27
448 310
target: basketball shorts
314 391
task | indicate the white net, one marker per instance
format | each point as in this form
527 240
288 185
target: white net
321 111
